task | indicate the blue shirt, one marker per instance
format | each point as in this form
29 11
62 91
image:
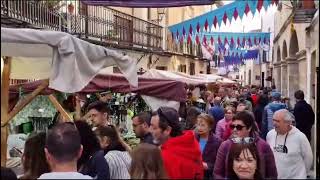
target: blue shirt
202 143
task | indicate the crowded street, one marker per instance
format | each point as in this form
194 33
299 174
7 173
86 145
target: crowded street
160 89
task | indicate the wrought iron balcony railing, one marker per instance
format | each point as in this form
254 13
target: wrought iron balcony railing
96 23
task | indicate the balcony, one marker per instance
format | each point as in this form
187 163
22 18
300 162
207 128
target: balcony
100 25
303 11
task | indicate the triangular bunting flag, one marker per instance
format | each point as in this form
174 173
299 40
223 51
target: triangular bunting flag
215 21
235 13
190 30
225 17
247 9
197 39
206 24
212 40
259 5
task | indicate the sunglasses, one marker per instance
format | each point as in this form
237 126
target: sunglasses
238 127
246 140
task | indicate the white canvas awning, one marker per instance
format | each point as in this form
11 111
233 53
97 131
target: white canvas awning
188 79
69 63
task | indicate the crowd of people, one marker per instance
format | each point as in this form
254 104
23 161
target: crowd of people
238 133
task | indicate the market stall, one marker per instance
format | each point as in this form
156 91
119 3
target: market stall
66 63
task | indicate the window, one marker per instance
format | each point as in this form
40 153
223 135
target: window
182 68
164 68
264 56
192 69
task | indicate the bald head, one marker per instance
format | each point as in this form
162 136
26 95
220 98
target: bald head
282 120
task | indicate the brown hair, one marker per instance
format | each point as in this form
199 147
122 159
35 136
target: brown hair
234 153
147 163
231 108
34 159
209 119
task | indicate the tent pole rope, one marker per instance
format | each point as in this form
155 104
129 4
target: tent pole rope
4 107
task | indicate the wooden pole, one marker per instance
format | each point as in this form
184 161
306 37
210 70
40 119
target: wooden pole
57 105
4 107
78 108
25 101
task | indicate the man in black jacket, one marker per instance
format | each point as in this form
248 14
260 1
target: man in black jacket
303 114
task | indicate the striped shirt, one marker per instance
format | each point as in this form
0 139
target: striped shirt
119 163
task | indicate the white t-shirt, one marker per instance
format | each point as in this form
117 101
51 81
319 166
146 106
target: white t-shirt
64 175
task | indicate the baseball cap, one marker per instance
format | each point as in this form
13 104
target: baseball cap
276 95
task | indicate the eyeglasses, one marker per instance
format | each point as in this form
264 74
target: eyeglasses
238 127
246 140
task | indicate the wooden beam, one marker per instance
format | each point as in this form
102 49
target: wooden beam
58 106
4 107
78 108
26 101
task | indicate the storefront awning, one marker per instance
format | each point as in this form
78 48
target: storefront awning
148 4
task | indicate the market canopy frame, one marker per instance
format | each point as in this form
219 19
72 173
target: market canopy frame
67 63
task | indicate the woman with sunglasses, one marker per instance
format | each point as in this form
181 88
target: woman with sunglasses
209 143
244 129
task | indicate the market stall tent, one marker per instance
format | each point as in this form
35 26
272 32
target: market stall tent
67 63
188 79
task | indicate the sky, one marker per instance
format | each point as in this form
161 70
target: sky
248 22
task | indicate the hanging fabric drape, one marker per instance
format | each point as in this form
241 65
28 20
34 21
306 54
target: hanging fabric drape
215 18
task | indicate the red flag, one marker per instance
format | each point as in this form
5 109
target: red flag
247 9
225 17
206 24
212 40
259 5
235 14
215 21
198 27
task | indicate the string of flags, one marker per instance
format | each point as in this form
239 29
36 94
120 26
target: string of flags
215 18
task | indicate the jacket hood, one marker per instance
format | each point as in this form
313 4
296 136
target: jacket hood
274 106
184 146
293 130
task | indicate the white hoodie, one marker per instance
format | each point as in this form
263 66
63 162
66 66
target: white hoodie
298 161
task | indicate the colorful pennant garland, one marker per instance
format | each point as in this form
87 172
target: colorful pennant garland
214 18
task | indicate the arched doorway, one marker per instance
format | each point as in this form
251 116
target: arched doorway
294 46
284 50
294 68
284 70
278 55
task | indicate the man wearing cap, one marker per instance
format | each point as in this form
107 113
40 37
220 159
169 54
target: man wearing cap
275 105
179 149
291 148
